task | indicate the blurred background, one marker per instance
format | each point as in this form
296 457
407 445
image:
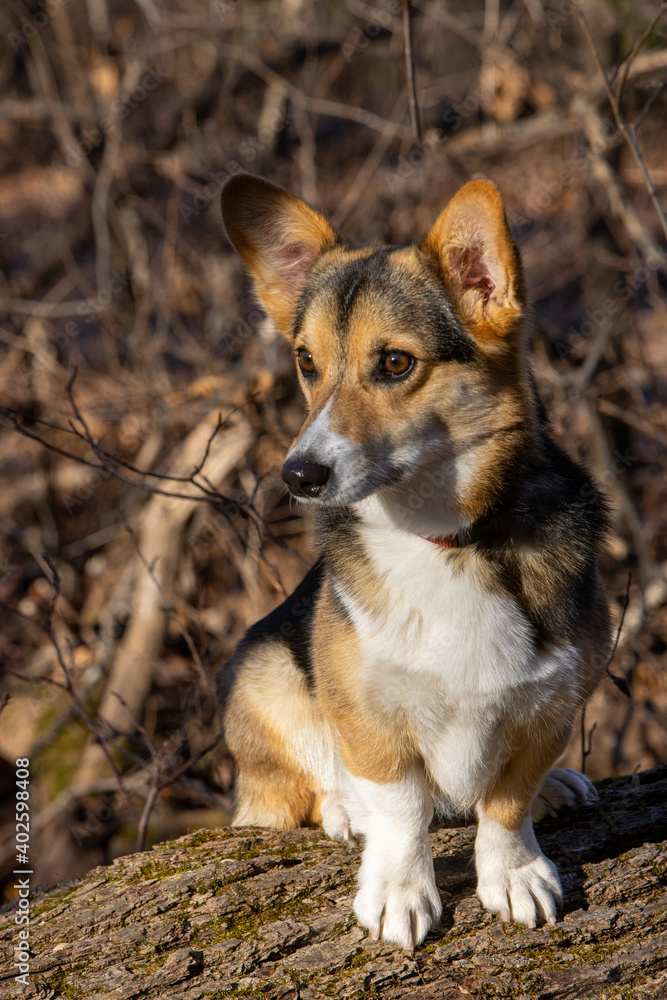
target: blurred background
147 404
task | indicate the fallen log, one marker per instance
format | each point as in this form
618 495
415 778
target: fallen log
249 913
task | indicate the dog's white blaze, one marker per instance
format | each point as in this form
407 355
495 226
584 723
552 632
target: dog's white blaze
456 660
321 443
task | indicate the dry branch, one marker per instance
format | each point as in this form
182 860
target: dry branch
628 133
160 538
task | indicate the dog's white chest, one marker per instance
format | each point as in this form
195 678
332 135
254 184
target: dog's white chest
453 659
442 622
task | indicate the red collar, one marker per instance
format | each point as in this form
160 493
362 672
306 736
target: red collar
445 541
488 529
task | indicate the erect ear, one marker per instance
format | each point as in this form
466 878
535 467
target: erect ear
478 259
279 238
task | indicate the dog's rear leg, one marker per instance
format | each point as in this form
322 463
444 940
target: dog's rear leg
335 821
280 743
561 789
273 797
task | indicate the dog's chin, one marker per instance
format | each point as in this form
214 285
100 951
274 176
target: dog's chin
334 498
434 518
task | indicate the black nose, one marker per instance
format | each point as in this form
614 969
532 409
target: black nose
305 479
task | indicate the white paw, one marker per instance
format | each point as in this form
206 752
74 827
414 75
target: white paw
397 899
398 911
514 879
562 788
530 894
335 821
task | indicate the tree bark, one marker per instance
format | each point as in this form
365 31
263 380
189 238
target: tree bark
249 913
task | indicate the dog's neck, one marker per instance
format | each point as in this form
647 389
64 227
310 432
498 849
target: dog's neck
406 513
437 513
376 515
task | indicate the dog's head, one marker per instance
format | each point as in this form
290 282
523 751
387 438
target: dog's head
410 358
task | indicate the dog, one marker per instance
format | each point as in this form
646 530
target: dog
435 655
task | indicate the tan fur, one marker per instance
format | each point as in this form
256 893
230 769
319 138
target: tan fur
278 256
274 789
376 748
530 755
435 388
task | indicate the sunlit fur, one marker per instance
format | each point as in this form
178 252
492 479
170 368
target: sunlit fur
403 675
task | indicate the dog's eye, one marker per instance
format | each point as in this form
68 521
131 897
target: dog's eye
396 363
305 359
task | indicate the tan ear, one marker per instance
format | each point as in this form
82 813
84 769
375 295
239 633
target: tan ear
479 260
279 238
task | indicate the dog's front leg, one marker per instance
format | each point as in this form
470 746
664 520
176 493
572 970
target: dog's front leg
514 878
397 899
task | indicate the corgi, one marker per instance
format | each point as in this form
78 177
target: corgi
435 655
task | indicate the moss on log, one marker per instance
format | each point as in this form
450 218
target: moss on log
249 913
